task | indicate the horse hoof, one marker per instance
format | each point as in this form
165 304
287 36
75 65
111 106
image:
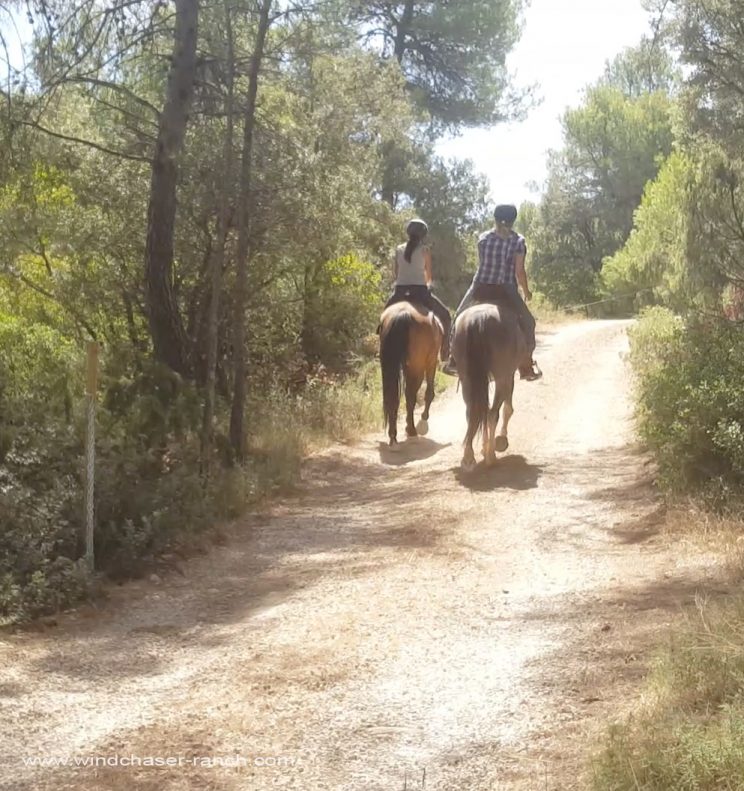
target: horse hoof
422 427
491 460
411 433
468 463
501 444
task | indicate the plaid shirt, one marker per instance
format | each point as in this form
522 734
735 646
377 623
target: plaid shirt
497 256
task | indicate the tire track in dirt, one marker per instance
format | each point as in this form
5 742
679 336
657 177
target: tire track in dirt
395 622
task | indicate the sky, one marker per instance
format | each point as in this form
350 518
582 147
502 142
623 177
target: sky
564 46
15 31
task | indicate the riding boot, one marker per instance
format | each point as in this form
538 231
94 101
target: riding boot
444 352
450 367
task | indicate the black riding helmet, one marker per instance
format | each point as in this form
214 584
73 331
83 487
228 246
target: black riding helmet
417 228
505 213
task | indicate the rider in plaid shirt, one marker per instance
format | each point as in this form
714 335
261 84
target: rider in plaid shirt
501 253
497 258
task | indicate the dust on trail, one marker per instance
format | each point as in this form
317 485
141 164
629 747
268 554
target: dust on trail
397 623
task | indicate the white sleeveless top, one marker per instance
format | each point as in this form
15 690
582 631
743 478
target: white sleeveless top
410 273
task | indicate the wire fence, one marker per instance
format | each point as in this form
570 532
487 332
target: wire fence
586 305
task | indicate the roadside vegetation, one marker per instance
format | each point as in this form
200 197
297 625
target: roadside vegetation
688 733
212 192
676 257
688 728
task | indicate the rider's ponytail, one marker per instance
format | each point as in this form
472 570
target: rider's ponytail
417 231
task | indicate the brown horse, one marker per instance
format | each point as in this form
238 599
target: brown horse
488 345
410 339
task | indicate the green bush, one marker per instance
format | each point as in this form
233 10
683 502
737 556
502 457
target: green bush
691 403
343 306
37 376
148 489
150 494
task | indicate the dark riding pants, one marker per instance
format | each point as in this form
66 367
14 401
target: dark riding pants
491 292
423 295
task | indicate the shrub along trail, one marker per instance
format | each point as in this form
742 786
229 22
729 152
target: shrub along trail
394 623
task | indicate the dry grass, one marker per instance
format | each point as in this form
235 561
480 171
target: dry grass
688 731
286 428
688 734
718 533
548 314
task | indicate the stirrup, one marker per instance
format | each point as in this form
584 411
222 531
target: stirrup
449 368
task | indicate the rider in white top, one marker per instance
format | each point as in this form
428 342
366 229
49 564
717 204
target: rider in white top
412 271
417 271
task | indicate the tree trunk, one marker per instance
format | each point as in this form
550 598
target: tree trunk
401 34
218 255
390 154
309 301
391 165
237 413
166 326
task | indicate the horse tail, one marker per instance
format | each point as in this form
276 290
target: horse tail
478 358
393 353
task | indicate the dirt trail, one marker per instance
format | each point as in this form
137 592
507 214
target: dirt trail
396 623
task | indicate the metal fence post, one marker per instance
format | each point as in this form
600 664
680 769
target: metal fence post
91 387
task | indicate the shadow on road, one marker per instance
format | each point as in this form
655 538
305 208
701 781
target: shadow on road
415 449
510 472
345 511
10 690
603 658
613 496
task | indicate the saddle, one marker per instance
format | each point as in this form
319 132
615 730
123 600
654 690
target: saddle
422 308
414 297
492 294
412 294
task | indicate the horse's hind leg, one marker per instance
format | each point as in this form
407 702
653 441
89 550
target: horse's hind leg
501 443
423 424
490 443
391 409
468 458
393 429
487 437
413 385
